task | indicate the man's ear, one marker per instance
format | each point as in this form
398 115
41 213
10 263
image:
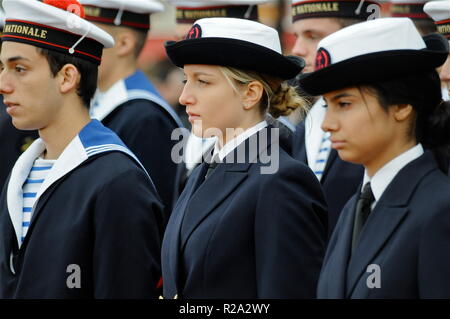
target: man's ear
402 112
252 94
69 78
125 43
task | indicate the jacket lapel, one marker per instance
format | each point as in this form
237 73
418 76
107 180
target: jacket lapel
226 177
19 174
173 237
337 256
224 180
388 213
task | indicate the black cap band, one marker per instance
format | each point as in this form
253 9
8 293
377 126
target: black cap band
129 19
409 10
53 39
332 9
190 15
443 27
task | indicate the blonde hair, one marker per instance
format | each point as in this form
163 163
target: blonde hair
280 99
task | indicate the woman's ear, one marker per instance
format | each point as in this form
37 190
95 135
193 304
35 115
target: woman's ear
253 94
402 112
69 78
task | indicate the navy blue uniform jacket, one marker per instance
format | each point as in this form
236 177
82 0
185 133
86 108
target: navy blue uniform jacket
407 235
243 234
339 180
103 216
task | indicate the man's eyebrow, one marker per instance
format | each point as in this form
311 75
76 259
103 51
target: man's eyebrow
16 58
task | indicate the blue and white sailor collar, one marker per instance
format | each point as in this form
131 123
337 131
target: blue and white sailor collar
134 87
93 139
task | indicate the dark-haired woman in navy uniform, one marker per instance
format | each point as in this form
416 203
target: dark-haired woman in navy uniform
251 223
386 112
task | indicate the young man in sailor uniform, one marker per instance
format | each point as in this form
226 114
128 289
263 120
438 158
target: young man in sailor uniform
126 101
312 21
80 216
12 141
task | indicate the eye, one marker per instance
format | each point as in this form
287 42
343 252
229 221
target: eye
184 81
343 104
19 69
203 82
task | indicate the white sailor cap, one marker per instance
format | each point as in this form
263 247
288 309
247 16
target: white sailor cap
130 13
412 9
55 25
374 50
355 9
233 42
439 11
190 11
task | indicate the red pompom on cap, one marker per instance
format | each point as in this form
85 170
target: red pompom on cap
68 5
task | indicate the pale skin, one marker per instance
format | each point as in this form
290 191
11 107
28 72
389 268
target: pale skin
213 105
181 30
37 100
444 74
308 33
363 132
118 62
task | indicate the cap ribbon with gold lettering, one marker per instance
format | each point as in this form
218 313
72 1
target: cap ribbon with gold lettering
408 9
190 11
439 11
130 13
332 9
55 25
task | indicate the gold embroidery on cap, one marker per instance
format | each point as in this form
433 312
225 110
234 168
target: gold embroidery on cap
315 7
26 30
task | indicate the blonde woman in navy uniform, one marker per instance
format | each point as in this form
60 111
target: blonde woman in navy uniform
386 112
251 223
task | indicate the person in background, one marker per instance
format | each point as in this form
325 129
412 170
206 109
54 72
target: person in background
312 21
413 9
126 101
439 11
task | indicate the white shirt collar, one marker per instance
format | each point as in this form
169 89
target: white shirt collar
384 176
235 142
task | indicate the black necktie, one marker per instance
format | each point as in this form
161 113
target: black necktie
363 208
211 167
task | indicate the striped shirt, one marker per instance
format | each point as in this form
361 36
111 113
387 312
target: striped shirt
322 156
31 187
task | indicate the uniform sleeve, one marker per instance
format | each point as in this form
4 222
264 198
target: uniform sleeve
434 257
127 238
289 235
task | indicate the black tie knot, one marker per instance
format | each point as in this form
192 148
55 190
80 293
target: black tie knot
367 194
363 209
211 168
